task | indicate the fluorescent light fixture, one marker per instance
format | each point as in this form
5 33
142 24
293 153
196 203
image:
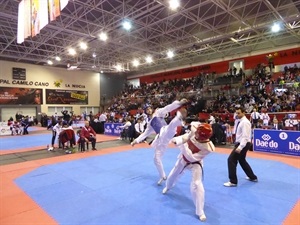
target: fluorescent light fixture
57 58
136 63
72 67
174 4
127 25
275 27
72 51
170 54
149 59
103 36
234 40
118 67
83 45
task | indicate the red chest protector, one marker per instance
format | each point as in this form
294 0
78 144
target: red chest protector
193 148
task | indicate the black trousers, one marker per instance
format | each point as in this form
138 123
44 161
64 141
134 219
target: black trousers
101 127
91 139
235 158
254 123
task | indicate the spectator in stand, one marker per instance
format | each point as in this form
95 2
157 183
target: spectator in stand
139 127
259 124
185 127
211 119
236 121
254 117
265 117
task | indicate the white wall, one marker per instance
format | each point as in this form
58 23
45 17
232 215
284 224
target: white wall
44 77
135 82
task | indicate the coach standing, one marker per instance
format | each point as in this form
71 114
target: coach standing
238 154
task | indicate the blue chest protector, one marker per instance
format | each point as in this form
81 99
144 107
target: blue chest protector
157 123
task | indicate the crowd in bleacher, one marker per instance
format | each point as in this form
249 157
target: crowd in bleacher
256 93
162 93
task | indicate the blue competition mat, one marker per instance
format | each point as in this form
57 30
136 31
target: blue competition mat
20 142
121 188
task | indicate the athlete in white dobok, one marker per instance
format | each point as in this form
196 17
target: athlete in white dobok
194 146
164 132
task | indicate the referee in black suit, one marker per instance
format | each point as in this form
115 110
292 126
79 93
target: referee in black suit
238 154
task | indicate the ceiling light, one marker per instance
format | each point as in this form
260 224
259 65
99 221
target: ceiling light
72 51
174 4
126 25
136 63
118 67
170 54
50 62
149 59
83 45
94 55
275 27
103 36
72 67
57 58
234 40
101 71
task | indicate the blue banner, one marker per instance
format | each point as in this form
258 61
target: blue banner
112 129
277 141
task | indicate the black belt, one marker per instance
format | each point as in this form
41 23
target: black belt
189 163
236 144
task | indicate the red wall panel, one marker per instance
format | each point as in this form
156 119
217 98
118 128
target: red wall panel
281 58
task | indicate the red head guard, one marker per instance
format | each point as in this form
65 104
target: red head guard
203 132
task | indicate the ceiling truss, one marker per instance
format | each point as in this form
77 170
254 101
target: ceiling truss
200 30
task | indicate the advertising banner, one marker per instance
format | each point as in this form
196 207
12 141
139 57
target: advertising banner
112 129
54 96
4 129
23 96
277 141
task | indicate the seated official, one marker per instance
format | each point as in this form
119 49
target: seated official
276 125
125 129
139 127
88 134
